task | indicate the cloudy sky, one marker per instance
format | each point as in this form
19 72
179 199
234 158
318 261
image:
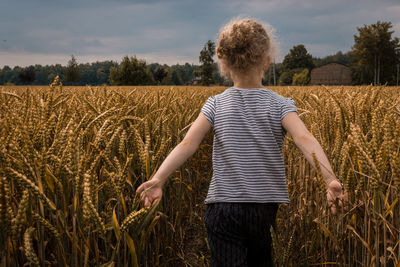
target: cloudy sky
172 31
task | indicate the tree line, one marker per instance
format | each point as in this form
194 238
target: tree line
97 73
373 59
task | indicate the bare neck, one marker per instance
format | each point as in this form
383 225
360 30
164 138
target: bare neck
247 80
249 85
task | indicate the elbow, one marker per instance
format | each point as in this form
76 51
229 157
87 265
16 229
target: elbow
304 138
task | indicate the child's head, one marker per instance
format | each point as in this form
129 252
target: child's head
245 45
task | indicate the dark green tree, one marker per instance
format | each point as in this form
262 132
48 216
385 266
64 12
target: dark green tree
5 74
173 76
339 57
298 57
96 73
72 71
101 74
159 74
176 77
27 75
207 63
375 56
131 71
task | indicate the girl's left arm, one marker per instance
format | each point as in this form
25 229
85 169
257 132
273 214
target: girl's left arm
174 160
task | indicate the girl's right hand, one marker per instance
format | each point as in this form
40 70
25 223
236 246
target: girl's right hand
335 195
150 192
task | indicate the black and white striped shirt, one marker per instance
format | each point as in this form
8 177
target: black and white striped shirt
247 149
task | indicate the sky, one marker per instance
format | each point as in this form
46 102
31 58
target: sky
173 31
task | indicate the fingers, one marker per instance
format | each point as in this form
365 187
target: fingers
333 209
336 205
142 196
146 199
148 194
147 202
140 189
336 201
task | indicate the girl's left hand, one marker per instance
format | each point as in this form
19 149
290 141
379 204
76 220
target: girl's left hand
150 192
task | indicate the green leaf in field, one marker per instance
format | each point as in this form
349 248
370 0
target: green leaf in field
115 224
123 205
132 249
324 229
146 218
389 210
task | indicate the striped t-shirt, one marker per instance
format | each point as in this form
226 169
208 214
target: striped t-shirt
247 149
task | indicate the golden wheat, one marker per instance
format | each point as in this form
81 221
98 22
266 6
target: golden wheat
28 247
71 159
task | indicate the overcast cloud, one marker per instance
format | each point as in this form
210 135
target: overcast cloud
172 31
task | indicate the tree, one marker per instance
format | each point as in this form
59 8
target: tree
207 63
101 74
27 75
286 77
339 57
4 74
173 77
72 71
159 75
298 57
176 77
301 78
131 71
375 56
294 62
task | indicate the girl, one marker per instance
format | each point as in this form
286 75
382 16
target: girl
249 123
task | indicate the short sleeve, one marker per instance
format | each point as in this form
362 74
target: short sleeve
287 106
209 110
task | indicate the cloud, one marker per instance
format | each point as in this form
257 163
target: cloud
396 28
320 49
174 30
325 27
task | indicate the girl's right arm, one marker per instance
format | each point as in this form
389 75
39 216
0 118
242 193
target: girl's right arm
151 190
307 143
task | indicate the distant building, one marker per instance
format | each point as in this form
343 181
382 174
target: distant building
195 81
331 74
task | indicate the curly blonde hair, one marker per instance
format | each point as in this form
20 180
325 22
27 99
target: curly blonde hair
244 43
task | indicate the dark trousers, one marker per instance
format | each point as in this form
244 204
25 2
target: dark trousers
239 233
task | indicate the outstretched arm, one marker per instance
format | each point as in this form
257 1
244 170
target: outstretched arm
152 189
307 143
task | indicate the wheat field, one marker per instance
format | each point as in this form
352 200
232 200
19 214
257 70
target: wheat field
71 159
